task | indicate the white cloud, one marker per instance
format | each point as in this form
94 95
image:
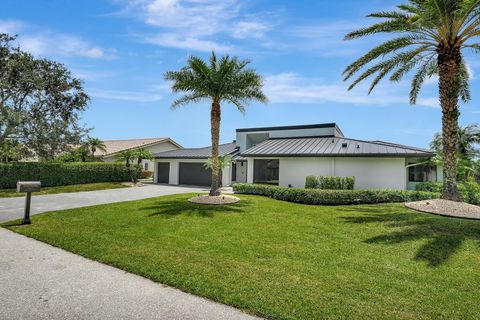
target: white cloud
174 41
196 24
45 42
121 95
290 87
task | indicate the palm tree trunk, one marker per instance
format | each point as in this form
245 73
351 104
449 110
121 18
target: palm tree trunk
215 118
449 60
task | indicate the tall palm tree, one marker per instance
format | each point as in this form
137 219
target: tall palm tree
220 80
428 36
96 144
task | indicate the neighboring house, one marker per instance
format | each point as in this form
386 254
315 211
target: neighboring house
154 145
287 155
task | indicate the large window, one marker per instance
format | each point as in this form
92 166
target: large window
422 173
266 171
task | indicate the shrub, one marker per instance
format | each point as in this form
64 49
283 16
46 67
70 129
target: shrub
333 197
60 174
329 183
146 174
469 190
311 182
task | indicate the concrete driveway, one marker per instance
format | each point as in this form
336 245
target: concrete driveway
12 208
40 282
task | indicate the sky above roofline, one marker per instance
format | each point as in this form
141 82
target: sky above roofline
122 48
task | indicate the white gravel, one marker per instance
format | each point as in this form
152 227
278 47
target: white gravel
446 208
222 199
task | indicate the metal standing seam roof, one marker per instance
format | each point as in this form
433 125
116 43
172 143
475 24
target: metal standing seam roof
198 153
331 146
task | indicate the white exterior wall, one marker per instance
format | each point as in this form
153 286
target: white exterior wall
175 171
369 173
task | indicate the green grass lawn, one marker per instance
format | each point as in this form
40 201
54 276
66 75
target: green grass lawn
283 260
8 193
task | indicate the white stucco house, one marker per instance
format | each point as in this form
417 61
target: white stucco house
154 145
287 155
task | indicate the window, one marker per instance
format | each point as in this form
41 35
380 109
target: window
422 173
266 171
146 166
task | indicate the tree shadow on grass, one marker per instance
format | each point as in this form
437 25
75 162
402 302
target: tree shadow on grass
172 208
444 235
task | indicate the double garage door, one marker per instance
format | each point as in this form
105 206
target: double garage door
189 173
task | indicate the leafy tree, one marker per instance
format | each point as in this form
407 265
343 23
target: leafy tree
219 80
96 144
40 102
428 36
127 156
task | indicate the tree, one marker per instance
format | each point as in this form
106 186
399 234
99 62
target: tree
468 139
429 37
219 80
83 153
40 102
127 156
96 144
142 154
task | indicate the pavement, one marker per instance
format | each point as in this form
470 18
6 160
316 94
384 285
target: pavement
12 208
38 281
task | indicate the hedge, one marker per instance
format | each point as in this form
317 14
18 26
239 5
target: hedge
333 197
469 191
329 183
60 174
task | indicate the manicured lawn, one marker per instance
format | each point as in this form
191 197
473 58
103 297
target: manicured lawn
283 260
8 193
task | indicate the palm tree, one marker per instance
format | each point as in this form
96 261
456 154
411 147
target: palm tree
127 156
96 144
142 154
429 37
468 139
221 80
83 153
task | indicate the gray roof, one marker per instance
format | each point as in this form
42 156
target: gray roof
331 146
296 127
198 153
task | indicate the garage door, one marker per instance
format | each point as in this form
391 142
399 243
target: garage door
163 172
194 174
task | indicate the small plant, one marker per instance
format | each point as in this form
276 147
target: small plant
329 183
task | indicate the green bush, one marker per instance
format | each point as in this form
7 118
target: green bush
61 174
469 190
329 183
333 197
311 182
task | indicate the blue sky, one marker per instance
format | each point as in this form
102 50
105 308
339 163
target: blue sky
121 49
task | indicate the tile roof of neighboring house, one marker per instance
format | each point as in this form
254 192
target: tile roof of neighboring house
198 153
331 146
114 146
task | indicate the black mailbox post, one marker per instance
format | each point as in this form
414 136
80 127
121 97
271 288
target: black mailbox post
28 187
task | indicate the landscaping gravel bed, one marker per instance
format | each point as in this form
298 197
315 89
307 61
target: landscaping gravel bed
222 199
446 208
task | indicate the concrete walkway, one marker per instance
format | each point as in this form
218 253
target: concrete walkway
38 281
12 208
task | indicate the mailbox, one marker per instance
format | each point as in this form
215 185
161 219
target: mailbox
28 186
